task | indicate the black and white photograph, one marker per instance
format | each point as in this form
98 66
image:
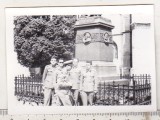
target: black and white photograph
80 59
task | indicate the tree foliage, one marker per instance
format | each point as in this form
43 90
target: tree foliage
37 38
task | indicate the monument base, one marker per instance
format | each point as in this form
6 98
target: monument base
116 80
105 70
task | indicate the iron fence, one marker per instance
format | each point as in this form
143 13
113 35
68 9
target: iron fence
29 88
136 91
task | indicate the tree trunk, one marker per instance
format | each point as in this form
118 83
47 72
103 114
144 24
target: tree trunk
35 71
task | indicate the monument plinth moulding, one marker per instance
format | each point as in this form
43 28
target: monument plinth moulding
94 43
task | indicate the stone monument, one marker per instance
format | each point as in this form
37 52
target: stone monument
94 43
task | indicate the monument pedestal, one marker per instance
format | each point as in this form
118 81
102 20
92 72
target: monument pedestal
94 43
104 69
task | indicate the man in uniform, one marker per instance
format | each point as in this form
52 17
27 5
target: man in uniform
88 84
63 84
49 81
74 76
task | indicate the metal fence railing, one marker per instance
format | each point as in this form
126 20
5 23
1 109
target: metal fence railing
29 88
137 91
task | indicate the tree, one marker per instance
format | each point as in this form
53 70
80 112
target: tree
37 38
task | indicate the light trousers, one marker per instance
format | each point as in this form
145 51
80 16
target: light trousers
48 93
87 97
75 94
65 97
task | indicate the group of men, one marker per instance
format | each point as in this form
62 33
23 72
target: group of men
64 82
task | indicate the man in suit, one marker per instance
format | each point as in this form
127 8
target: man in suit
49 81
88 84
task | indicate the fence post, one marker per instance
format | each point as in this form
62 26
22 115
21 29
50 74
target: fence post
15 93
18 85
23 89
128 92
26 83
100 91
123 95
20 77
146 80
108 93
32 87
29 86
134 90
104 91
118 94
113 94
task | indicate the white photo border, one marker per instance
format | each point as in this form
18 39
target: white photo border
131 9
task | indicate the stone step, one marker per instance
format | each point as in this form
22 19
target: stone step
116 79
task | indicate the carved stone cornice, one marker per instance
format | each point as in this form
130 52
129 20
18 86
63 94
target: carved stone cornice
93 21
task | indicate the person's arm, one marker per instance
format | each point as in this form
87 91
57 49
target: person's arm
80 72
56 79
95 81
69 80
81 81
44 74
